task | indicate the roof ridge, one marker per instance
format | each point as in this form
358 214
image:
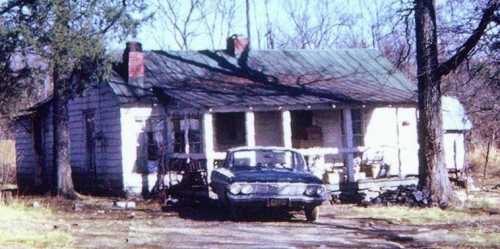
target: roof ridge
270 50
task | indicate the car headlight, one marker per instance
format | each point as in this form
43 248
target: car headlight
235 188
246 189
320 190
314 190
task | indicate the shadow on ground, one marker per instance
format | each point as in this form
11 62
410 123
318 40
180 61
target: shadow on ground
210 210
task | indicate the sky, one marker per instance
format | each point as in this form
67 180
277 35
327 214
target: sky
155 34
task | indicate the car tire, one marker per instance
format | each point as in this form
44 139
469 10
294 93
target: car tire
312 213
234 212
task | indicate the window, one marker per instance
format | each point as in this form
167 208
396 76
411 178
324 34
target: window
179 143
153 133
305 133
153 152
229 130
191 125
357 127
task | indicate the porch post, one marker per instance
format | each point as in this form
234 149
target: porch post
186 136
286 120
250 128
398 143
208 141
349 144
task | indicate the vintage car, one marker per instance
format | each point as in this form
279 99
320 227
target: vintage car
267 177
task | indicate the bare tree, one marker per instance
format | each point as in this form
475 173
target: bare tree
269 34
433 173
315 24
182 19
218 19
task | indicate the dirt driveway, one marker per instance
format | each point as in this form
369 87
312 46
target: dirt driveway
209 227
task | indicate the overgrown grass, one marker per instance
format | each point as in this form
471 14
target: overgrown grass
479 237
7 151
415 216
477 158
27 227
7 161
483 203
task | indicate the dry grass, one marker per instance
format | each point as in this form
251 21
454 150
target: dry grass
477 159
479 237
414 216
7 161
27 227
469 229
7 151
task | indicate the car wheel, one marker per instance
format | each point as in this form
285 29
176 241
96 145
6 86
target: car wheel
312 213
234 212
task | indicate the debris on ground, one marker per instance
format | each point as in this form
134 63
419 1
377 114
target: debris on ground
77 207
124 204
403 195
36 204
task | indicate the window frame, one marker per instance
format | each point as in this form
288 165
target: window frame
178 134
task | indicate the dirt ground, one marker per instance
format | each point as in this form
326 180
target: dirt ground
94 223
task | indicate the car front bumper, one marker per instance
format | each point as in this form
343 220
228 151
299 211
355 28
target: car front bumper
274 201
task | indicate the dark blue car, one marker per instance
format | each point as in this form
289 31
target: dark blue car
268 177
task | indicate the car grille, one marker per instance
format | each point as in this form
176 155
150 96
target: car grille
278 188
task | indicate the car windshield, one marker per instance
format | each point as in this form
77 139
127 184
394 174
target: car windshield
267 158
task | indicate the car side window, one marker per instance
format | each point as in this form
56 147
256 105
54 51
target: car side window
227 163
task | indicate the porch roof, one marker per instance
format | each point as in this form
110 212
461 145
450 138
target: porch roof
212 78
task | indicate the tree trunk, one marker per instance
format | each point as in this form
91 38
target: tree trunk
61 145
60 72
247 13
433 173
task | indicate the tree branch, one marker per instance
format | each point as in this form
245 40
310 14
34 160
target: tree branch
10 5
496 18
115 18
464 50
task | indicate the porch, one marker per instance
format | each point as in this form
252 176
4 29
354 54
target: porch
337 142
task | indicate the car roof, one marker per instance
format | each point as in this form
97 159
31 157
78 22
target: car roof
262 148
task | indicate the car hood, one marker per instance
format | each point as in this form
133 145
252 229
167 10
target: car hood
273 175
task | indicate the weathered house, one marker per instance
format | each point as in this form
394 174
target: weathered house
333 105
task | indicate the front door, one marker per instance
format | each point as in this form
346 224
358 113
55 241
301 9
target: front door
41 175
90 145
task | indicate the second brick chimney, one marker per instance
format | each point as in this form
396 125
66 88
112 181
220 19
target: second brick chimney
236 45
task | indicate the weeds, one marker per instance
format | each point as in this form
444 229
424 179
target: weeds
28 227
479 237
414 216
7 161
477 159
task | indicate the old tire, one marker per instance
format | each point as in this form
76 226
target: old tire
312 213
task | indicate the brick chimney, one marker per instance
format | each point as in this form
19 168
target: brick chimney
133 58
236 45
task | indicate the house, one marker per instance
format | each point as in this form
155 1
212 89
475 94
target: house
335 106
455 126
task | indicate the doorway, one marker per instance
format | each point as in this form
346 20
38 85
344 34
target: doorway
90 146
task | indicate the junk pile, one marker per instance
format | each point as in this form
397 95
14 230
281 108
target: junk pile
403 195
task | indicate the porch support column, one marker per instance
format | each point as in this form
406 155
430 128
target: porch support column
349 156
286 119
208 141
186 137
250 128
398 141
